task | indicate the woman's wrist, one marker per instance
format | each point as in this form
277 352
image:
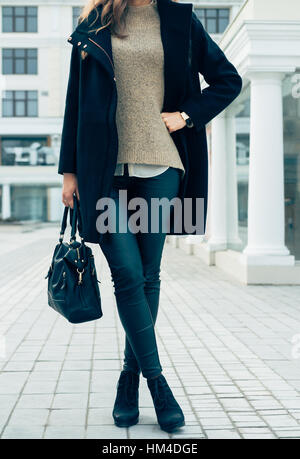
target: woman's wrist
70 176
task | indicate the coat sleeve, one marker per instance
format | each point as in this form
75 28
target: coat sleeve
224 82
67 156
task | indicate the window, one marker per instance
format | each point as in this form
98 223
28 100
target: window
19 61
19 103
291 133
26 151
19 19
76 13
215 20
29 202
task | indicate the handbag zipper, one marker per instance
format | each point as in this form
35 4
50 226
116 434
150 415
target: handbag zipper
111 63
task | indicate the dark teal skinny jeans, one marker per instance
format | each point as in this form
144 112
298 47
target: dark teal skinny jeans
134 260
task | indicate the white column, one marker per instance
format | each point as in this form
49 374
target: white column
209 144
6 201
217 208
233 240
266 175
55 205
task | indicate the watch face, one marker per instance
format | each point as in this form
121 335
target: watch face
189 122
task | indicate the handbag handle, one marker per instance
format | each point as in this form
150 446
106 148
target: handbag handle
75 220
64 223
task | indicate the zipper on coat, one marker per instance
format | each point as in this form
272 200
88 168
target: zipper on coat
111 63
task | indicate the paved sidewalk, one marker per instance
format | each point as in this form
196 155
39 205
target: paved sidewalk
230 353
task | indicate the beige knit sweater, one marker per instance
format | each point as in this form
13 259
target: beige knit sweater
139 69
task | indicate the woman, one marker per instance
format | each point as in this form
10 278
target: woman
135 121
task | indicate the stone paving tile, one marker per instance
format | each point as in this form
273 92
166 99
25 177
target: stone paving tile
106 432
28 416
67 417
222 434
295 434
99 400
63 401
77 365
64 432
259 436
295 414
35 401
226 350
279 420
147 431
20 366
12 382
100 416
40 376
23 432
39 387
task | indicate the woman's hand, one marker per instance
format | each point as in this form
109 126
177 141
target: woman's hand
70 186
173 121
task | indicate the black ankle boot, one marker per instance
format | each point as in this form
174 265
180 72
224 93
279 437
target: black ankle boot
126 410
168 412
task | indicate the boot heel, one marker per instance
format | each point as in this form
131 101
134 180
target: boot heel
169 414
171 427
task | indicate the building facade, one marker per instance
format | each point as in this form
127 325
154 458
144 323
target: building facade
253 219
34 68
33 78
253 228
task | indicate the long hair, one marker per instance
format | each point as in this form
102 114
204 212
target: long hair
113 15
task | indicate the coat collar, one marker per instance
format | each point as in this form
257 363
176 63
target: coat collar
175 19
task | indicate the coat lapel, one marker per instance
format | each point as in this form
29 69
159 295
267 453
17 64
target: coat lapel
175 19
97 45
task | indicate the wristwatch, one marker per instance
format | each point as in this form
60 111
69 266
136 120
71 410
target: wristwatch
187 119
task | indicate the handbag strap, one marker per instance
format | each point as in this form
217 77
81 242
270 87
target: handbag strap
75 220
64 223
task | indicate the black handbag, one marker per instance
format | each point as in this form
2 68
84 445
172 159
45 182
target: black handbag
73 289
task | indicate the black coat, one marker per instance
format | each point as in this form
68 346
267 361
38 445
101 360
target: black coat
89 144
